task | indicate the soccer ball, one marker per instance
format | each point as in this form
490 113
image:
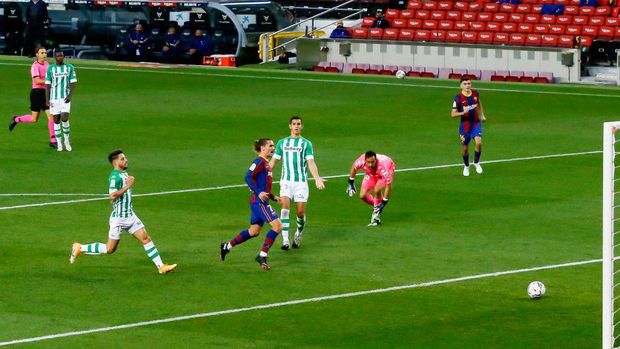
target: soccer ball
536 289
400 74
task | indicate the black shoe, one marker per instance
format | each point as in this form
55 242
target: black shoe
285 247
295 245
223 251
13 123
263 262
53 145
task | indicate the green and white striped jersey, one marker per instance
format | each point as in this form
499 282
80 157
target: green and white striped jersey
121 207
294 153
59 77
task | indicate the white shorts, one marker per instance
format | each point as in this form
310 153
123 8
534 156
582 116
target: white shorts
117 224
58 106
297 191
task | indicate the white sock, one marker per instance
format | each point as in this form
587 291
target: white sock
286 223
153 254
66 130
94 248
262 254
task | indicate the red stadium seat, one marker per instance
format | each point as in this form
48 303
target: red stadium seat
438 36
498 78
536 8
533 39
359 33
574 30
422 35
485 17
461 25
477 26
453 15
469 37
475 6
500 17
406 34
414 23
549 40
453 36
461 6
563 2
523 8
517 39
540 29
606 33
589 30
455 76
375 33
501 39
445 25
585 41
493 26
407 14
564 20
525 28
615 12
438 15
516 17
557 29
509 27
318 68
445 5
566 41
612 21
367 22
571 10
390 34
596 20
603 11
511 78
491 7
392 13
617 35
414 4
469 16
485 38
548 19
423 14
532 18
429 5
580 20
429 25
505 7
398 23
586 11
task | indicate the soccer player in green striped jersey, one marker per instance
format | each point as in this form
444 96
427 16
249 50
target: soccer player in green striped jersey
122 218
60 81
297 156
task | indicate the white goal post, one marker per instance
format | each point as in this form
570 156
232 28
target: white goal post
610 320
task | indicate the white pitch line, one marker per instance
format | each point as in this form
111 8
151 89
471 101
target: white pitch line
154 70
192 190
51 194
295 302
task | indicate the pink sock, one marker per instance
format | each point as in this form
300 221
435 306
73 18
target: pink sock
24 118
369 200
50 127
378 200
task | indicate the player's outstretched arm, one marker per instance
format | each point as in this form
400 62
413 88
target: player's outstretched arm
318 181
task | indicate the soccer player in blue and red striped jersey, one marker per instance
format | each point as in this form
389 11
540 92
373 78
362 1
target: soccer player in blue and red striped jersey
259 178
468 107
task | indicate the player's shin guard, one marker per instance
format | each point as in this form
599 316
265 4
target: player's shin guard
466 159
243 236
66 130
94 248
477 156
24 118
153 254
301 222
270 238
286 223
57 131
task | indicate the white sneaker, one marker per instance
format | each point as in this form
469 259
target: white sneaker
466 171
59 146
68 146
478 168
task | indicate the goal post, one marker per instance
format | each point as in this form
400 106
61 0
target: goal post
609 191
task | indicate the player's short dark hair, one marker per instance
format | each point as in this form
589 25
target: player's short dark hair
57 51
259 143
114 155
465 78
369 154
40 48
295 117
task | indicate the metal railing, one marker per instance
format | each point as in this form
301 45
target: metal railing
267 36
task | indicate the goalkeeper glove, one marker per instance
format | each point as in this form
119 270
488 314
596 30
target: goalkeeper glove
379 208
351 187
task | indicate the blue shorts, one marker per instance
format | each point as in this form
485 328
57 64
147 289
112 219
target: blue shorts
261 213
475 131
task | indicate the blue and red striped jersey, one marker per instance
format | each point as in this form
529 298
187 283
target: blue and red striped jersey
259 178
470 104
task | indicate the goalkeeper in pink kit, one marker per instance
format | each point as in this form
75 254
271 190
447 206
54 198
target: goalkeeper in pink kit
377 184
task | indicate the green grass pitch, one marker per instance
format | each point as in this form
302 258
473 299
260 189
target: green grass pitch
194 128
